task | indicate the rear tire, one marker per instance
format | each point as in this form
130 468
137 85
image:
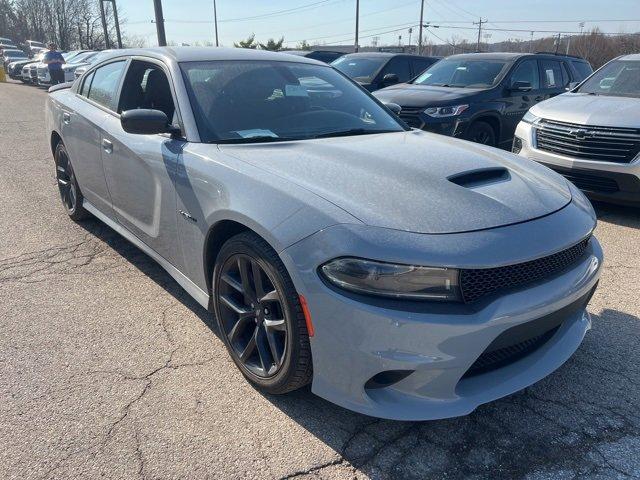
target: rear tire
259 315
481 132
68 187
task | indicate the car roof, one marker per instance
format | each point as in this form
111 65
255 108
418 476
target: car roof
382 55
633 57
203 54
510 56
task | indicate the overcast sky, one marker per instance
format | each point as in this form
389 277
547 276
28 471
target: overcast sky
332 21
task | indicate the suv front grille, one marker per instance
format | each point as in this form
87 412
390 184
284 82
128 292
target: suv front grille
411 116
604 144
476 283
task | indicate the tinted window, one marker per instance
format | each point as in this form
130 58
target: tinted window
552 74
420 65
253 101
617 78
86 84
527 71
583 69
326 57
146 86
104 87
457 72
361 69
400 67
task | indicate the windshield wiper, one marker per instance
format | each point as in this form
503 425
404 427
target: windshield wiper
257 139
353 131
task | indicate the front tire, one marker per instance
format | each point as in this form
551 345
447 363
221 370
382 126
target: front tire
68 187
481 132
259 315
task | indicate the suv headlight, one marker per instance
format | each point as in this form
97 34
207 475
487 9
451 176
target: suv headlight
393 280
530 117
440 112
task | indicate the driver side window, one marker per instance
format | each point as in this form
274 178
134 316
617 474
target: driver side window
527 71
147 86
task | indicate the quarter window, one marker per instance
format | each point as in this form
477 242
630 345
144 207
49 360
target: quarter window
552 74
104 87
86 85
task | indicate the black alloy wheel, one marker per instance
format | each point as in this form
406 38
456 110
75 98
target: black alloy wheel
259 315
481 132
68 185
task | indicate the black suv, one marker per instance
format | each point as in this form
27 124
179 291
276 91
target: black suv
375 70
483 96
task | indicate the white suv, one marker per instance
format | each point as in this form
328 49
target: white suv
591 135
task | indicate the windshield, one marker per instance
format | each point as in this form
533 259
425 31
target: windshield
620 78
462 73
256 101
361 69
82 57
15 54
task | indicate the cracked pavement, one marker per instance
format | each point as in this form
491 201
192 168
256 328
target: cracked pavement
108 369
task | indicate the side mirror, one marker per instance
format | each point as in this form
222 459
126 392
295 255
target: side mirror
390 79
521 86
572 85
145 122
394 107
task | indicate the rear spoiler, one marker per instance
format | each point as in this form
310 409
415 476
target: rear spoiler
60 86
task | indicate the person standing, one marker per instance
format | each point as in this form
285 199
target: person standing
54 61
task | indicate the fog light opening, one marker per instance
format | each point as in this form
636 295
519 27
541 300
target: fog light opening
517 145
386 379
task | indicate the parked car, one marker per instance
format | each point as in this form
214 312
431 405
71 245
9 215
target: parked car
5 40
326 56
74 59
9 56
376 70
591 135
405 275
33 47
82 67
482 96
15 69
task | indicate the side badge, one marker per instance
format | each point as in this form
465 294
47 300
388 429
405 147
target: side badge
187 216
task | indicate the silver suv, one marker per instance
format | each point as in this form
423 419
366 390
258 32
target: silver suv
591 134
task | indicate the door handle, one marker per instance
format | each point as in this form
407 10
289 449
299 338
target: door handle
66 118
107 146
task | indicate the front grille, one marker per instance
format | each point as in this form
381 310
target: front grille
476 283
591 183
411 116
489 361
605 144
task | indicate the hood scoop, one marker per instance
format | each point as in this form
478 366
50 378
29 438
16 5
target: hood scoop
480 177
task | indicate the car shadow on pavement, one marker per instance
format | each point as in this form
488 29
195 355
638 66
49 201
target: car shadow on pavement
581 421
624 216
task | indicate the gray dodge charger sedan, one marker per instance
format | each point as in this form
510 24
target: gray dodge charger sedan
403 274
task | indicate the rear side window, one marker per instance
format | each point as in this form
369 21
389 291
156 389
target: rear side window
527 71
104 86
552 74
86 85
583 69
420 65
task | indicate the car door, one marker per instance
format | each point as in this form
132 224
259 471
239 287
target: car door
398 66
82 120
517 102
553 80
140 169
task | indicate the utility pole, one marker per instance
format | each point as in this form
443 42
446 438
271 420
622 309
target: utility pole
410 31
568 43
531 43
356 47
215 21
479 23
107 44
557 43
162 38
117 22
420 34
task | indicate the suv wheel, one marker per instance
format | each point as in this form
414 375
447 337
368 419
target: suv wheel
481 132
259 315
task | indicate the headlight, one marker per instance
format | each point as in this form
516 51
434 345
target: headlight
439 112
393 280
530 117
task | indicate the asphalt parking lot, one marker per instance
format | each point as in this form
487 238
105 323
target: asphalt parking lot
109 369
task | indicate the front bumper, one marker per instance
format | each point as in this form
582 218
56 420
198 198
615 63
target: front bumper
606 181
358 338
449 126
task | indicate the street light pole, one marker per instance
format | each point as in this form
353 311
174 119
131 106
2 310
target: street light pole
162 38
355 47
215 21
420 34
117 22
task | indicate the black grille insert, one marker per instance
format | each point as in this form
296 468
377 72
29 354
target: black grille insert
605 144
476 283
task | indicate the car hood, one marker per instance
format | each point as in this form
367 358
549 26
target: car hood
403 180
409 95
585 109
